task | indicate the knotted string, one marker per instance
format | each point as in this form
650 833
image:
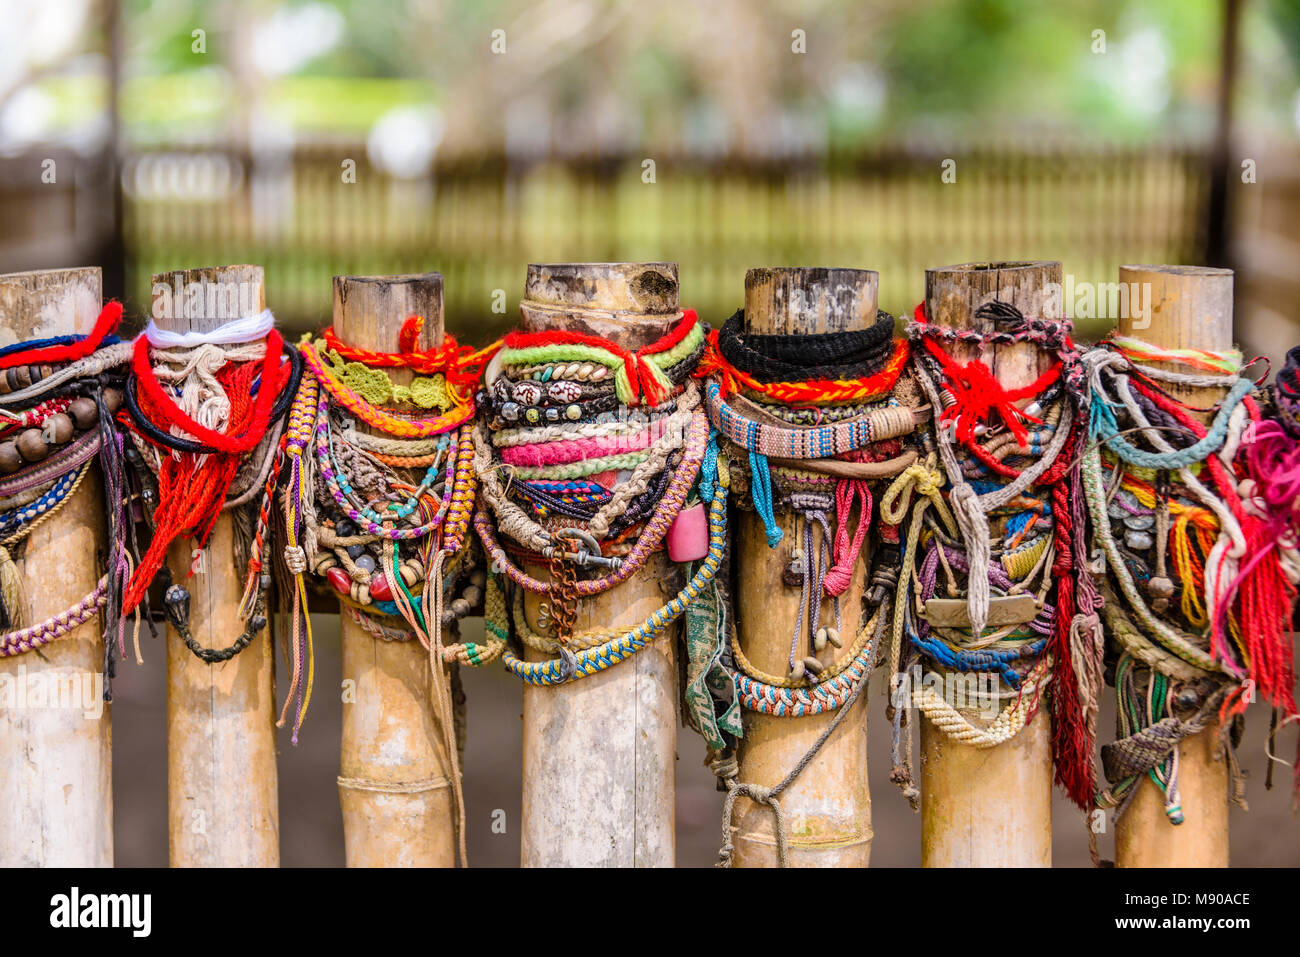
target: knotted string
840 575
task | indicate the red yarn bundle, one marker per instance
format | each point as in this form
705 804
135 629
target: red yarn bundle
191 487
1260 597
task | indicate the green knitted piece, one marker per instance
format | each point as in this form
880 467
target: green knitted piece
376 388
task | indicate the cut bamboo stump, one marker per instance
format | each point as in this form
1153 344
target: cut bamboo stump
828 807
56 795
990 807
599 752
1190 307
221 772
394 771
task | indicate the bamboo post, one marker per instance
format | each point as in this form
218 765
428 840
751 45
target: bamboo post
828 806
599 753
394 772
221 771
990 807
1190 307
56 795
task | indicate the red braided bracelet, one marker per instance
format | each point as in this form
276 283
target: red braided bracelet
109 318
638 375
460 364
810 391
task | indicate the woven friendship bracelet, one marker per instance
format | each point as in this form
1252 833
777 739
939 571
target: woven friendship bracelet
591 661
816 442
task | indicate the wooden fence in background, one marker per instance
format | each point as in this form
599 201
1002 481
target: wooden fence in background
479 222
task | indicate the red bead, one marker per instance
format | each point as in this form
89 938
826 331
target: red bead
339 580
379 589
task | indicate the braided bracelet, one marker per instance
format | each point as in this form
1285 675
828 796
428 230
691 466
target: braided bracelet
462 409
176 443
832 355
651 537
591 661
57 626
638 376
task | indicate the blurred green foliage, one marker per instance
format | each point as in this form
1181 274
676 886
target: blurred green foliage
888 68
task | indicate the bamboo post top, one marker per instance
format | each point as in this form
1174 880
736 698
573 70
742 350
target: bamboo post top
953 294
49 302
1190 307
792 300
369 310
204 299
630 303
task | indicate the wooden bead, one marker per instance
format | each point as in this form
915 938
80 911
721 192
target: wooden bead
10 460
23 376
31 445
57 429
113 399
84 412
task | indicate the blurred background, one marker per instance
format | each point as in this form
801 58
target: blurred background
326 137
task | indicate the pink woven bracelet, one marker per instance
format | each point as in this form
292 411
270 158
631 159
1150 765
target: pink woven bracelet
578 450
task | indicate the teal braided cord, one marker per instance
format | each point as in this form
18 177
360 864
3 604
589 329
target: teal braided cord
1103 426
595 660
760 489
1095 495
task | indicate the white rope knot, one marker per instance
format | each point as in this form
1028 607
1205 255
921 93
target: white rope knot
295 558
